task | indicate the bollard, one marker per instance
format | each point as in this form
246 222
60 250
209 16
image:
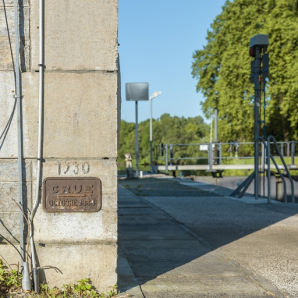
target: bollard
279 189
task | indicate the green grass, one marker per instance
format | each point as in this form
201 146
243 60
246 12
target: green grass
250 161
11 281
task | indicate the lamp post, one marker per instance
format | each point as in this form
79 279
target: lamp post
155 94
137 92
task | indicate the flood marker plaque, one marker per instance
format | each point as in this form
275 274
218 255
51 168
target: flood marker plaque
71 194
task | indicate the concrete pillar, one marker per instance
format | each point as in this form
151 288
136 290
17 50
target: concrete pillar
81 115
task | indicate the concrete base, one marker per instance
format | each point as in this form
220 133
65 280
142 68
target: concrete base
76 262
69 263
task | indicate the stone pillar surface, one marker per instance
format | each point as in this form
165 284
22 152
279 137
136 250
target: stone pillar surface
80 129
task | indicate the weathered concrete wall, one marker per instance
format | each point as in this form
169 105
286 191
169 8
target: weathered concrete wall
5 56
81 115
80 35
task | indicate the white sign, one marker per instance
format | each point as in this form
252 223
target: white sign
204 147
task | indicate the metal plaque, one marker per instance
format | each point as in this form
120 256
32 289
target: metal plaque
71 194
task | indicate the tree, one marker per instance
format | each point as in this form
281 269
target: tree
167 130
222 68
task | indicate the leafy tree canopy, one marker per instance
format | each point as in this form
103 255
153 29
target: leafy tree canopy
167 130
222 68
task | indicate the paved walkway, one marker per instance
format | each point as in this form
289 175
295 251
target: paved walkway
190 239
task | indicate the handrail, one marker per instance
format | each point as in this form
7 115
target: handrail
285 166
210 158
226 143
289 144
267 148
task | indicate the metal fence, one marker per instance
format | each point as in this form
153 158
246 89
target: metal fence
213 154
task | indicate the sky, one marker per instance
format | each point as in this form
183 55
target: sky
157 40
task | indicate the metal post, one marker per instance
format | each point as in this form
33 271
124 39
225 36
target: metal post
137 142
210 157
215 150
292 153
263 157
166 157
171 154
151 167
256 120
268 172
19 121
215 126
211 131
155 94
263 166
288 149
282 149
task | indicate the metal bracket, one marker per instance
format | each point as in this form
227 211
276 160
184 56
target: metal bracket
241 189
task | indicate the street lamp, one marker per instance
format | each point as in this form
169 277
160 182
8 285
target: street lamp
155 94
137 92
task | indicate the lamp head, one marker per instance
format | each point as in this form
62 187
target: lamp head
155 94
259 40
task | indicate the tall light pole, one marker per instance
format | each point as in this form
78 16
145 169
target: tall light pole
155 94
257 49
137 92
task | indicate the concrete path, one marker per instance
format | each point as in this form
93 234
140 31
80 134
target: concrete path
189 240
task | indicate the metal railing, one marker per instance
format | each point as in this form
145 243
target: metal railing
269 155
215 153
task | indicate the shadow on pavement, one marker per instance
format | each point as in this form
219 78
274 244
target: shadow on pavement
169 232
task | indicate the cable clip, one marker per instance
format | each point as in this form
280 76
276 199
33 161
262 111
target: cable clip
41 159
42 65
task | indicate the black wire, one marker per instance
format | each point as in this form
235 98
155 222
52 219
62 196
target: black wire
14 74
7 27
4 226
6 128
12 245
9 120
14 106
